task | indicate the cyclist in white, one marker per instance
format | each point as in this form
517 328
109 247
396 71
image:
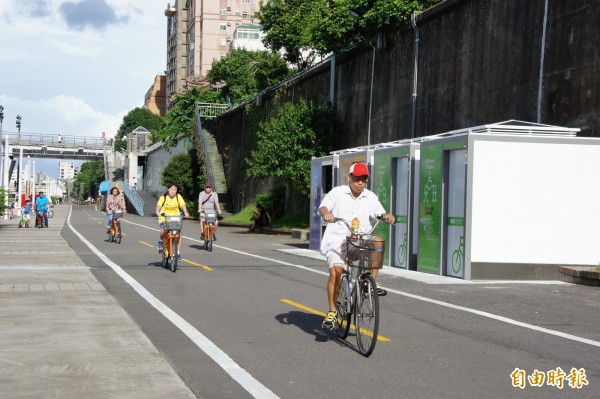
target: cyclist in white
208 201
347 202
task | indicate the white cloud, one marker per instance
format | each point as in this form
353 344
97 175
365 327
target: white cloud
70 116
109 69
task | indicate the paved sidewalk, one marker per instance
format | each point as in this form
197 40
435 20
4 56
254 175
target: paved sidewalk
61 334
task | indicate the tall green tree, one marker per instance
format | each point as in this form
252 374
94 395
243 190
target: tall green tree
136 117
247 73
287 141
289 26
307 28
183 170
88 180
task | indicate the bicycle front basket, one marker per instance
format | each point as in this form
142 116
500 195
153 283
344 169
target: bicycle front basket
118 213
173 222
210 217
366 254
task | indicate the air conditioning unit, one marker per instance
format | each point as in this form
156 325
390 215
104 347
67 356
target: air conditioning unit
228 23
228 8
229 39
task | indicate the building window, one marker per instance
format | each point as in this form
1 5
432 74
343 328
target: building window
223 27
245 1
223 11
223 55
245 14
222 41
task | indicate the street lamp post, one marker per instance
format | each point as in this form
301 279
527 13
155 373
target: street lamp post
19 127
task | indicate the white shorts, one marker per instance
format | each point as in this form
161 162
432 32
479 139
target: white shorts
337 257
27 216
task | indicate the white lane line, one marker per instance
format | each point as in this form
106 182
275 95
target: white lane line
429 300
245 379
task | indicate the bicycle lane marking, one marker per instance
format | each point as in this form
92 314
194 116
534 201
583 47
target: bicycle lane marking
439 303
314 311
235 371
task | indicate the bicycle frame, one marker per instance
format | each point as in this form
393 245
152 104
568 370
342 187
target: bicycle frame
115 228
170 249
357 294
209 230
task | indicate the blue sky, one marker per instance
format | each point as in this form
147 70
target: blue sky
77 67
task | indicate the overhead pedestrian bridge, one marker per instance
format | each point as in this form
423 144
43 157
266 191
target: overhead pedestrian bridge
43 145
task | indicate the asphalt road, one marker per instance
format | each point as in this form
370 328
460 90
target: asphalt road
244 320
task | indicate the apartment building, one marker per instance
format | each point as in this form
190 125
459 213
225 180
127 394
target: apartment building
155 99
66 170
211 25
176 45
202 31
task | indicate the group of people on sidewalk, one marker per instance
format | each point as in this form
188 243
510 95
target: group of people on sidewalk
348 201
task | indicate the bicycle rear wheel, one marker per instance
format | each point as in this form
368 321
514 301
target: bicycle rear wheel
119 235
343 315
174 254
366 315
50 214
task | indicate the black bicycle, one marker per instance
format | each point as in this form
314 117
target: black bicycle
357 290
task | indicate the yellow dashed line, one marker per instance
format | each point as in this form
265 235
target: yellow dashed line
197 264
314 311
183 259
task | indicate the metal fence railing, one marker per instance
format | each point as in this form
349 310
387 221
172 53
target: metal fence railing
210 111
134 198
54 140
204 147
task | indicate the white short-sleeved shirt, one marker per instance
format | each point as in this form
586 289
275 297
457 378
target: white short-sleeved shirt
342 204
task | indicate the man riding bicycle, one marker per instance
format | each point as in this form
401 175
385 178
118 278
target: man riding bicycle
208 201
41 205
349 201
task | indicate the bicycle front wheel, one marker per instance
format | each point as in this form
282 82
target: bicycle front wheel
366 315
174 255
119 235
344 315
165 257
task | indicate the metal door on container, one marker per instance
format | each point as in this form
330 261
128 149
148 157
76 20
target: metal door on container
455 211
401 201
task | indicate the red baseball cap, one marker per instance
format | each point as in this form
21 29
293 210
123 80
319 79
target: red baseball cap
359 169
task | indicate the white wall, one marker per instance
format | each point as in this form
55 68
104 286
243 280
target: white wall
156 162
536 202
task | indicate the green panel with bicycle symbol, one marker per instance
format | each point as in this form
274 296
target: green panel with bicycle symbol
430 208
455 221
381 187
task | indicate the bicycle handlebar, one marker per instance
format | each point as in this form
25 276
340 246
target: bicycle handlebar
380 219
